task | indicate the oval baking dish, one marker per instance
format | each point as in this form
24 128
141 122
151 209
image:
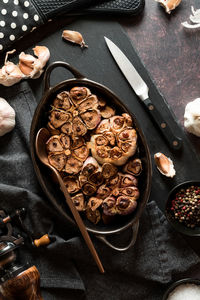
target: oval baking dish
44 176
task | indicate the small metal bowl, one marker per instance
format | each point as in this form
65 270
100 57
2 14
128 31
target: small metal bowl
180 227
178 283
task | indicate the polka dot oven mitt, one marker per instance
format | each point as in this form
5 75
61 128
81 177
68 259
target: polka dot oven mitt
17 17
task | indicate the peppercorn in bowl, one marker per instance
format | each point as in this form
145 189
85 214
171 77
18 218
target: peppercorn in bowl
183 208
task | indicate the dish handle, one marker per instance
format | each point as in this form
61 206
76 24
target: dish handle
134 228
56 64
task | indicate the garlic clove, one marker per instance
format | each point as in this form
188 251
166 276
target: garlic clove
43 55
79 202
28 66
10 74
78 94
72 184
26 63
7 117
103 126
169 5
107 112
164 164
74 37
90 166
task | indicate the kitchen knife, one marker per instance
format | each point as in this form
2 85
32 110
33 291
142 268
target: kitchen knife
141 90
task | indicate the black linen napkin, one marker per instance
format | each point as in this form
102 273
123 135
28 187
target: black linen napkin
67 269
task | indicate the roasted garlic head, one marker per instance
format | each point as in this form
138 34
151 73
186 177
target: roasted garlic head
88 146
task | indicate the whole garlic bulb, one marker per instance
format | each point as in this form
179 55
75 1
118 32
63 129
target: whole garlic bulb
7 117
192 117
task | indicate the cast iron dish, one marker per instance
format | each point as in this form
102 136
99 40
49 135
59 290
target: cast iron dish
52 190
178 283
177 225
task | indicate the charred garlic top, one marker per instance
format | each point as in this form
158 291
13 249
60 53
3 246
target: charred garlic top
87 151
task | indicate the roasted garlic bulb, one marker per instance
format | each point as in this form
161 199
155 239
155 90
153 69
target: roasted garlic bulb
115 140
89 151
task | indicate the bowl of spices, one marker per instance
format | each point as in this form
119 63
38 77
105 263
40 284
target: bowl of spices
183 208
184 289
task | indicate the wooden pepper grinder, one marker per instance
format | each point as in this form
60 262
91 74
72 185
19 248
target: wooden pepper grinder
17 282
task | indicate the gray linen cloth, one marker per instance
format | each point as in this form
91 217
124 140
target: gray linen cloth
67 269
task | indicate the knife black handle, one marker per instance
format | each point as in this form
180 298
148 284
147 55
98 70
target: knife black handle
173 141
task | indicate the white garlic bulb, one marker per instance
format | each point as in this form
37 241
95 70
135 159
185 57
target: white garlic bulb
7 117
192 117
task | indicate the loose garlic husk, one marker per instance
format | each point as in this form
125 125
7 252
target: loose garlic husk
74 37
195 18
7 117
169 5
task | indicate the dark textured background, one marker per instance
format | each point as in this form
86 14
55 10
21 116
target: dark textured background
170 53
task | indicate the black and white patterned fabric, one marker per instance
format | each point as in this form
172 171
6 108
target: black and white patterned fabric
17 17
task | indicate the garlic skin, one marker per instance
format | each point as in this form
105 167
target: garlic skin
7 117
169 5
195 18
74 37
192 117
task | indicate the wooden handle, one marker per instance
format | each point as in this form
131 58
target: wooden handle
173 141
80 224
44 240
25 286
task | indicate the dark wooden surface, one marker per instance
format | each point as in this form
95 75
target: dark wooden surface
170 53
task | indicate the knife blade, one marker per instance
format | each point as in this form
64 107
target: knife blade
142 91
